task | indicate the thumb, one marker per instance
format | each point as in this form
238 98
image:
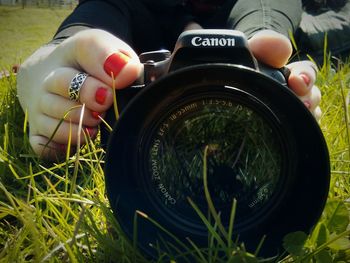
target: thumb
101 55
271 48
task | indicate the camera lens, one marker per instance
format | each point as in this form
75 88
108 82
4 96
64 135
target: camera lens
243 160
254 139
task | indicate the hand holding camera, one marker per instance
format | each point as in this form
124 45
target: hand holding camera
43 79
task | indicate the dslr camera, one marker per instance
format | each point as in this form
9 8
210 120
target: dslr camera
210 109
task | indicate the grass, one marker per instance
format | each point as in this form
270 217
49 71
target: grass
22 31
59 212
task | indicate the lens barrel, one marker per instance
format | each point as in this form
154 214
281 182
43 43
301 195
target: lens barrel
261 145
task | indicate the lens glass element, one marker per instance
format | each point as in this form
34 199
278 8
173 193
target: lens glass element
243 156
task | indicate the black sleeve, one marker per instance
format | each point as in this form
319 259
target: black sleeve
282 16
107 15
144 24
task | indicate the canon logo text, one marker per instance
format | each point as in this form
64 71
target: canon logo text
213 42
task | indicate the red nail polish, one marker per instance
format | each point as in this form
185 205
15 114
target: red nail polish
115 63
305 78
62 148
90 131
307 104
95 114
100 96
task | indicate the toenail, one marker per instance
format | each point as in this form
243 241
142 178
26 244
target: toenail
100 96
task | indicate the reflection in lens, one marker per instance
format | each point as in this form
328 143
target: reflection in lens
243 158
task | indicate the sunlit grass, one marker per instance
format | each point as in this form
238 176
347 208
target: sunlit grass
54 212
58 212
22 31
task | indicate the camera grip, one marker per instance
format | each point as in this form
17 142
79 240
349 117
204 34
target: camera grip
281 75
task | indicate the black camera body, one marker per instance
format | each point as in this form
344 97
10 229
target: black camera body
196 47
210 108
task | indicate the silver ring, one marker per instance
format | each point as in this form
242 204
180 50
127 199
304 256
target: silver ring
75 85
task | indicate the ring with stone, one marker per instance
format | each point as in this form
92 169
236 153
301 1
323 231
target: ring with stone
75 85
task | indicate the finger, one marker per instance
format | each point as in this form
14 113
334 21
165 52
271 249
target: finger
59 107
47 149
101 55
271 48
62 131
312 99
95 94
317 113
302 77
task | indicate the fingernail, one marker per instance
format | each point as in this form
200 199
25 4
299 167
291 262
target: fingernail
307 104
90 131
100 96
306 78
96 115
62 148
115 63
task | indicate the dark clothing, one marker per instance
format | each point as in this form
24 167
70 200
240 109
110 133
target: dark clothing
325 20
153 24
